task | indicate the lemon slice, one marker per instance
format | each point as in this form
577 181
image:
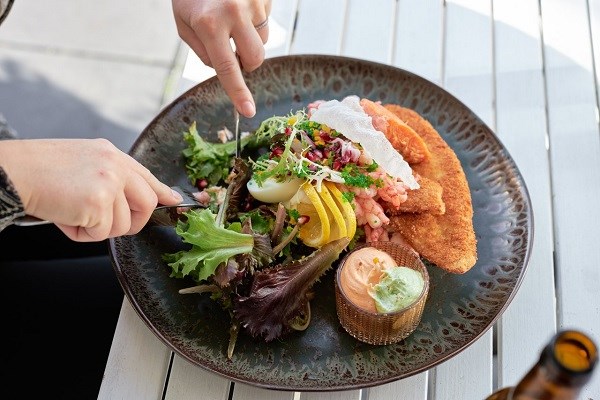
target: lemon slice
345 207
316 232
338 227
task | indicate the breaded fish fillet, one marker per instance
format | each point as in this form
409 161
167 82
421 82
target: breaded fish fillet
426 199
447 240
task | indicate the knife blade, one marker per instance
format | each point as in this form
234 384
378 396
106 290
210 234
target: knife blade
238 143
236 118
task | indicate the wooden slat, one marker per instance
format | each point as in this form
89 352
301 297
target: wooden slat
418 45
521 125
414 387
468 69
188 381
575 161
138 362
369 30
468 74
343 395
247 392
467 375
319 27
281 27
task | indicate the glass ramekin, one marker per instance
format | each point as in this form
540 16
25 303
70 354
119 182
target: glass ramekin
382 328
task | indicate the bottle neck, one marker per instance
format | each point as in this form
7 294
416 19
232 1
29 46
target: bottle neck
566 365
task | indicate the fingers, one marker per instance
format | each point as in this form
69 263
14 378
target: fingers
263 32
228 70
141 199
98 216
142 194
261 19
75 233
249 44
189 36
126 208
208 27
123 217
93 232
161 193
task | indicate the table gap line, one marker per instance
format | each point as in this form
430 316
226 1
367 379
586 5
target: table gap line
549 158
168 375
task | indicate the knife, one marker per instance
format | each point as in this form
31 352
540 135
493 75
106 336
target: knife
162 215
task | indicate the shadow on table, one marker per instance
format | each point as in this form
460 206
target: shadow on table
37 108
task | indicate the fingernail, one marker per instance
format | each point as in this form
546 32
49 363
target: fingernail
176 195
248 109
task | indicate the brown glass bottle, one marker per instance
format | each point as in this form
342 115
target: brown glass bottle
566 364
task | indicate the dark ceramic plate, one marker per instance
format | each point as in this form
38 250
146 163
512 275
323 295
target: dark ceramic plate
460 308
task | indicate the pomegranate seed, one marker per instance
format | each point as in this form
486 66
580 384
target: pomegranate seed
311 156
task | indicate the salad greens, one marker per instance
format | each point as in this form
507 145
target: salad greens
247 255
308 150
204 257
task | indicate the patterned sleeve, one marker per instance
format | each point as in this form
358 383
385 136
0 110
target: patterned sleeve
10 202
11 206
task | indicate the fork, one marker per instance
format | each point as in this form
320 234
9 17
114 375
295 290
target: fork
162 215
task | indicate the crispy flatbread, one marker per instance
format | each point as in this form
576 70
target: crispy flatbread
402 137
447 240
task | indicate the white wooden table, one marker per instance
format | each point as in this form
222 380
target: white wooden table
531 70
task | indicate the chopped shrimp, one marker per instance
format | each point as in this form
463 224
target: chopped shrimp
376 234
203 197
368 202
359 213
392 191
213 194
224 135
369 192
371 211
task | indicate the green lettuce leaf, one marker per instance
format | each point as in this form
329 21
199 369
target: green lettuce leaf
211 245
204 160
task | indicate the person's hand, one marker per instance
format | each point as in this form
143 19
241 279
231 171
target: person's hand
90 189
207 26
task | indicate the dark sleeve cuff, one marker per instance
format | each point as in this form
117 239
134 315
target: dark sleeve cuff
11 206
